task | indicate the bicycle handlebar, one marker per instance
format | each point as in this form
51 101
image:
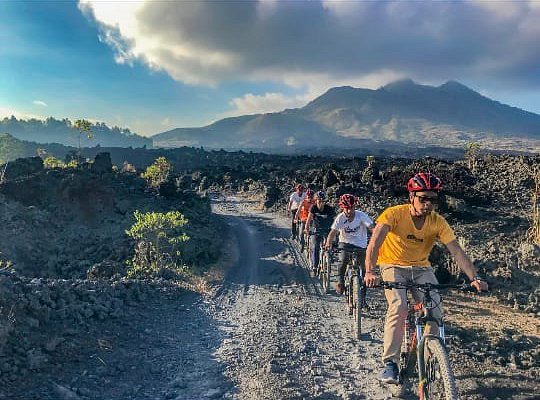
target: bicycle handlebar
348 250
426 286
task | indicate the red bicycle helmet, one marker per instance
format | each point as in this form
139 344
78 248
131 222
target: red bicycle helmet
424 181
310 193
347 201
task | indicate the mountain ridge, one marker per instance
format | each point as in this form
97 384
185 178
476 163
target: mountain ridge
52 130
451 114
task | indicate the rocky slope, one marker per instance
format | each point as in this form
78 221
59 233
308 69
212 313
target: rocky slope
63 252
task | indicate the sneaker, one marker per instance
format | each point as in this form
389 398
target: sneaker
340 288
389 374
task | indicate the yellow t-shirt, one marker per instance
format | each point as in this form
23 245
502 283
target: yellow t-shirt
406 245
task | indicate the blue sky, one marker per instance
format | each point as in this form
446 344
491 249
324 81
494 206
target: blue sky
152 66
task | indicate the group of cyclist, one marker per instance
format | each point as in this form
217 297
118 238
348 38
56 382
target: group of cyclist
400 244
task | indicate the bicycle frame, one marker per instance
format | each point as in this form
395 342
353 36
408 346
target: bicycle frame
415 339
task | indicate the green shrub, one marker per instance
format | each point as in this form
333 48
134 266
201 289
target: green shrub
159 238
51 161
157 173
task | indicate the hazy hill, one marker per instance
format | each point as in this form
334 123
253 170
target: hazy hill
404 112
52 130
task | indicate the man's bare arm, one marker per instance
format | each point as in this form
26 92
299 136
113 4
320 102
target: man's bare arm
379 234
330 238
377 238
465 264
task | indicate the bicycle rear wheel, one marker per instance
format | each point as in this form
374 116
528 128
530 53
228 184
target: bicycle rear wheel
440 383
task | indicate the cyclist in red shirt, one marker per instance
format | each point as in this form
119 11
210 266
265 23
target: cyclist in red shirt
302 215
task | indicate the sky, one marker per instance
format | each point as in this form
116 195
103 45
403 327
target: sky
156 65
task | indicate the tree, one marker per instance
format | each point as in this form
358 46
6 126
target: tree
83 128
534 230
471 155
159 237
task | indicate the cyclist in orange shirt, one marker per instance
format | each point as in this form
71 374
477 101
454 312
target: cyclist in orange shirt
302 215
400 245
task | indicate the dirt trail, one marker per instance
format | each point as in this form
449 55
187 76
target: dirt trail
267 333
287 339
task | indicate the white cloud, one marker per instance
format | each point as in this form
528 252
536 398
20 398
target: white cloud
210 42
259 104
7 112
39 103
318 85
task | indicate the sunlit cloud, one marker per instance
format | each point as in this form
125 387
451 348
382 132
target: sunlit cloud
266 103
319 84
209 42
39 103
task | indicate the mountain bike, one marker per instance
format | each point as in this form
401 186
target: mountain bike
300 235
324 269
307 249
355 289
424 357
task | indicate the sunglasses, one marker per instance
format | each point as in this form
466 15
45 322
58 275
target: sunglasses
427 199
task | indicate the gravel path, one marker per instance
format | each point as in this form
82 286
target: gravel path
284 338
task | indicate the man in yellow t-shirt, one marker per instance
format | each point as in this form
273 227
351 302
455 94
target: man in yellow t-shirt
401 243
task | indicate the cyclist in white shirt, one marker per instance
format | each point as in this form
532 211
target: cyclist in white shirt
352 226
295 199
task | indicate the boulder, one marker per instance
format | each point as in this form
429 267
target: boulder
105 269
21 167
102 163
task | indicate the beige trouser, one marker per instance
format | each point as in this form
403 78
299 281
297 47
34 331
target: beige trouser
397 305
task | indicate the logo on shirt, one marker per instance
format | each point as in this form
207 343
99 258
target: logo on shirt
412 237
348 229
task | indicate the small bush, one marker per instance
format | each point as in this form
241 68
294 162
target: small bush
159 238
53 162
157 173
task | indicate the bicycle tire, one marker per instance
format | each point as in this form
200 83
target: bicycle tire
440 382
326 271
407 362
357 306
307 251
349 293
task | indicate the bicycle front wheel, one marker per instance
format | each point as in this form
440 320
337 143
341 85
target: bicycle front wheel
325 272
357 306
440 383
